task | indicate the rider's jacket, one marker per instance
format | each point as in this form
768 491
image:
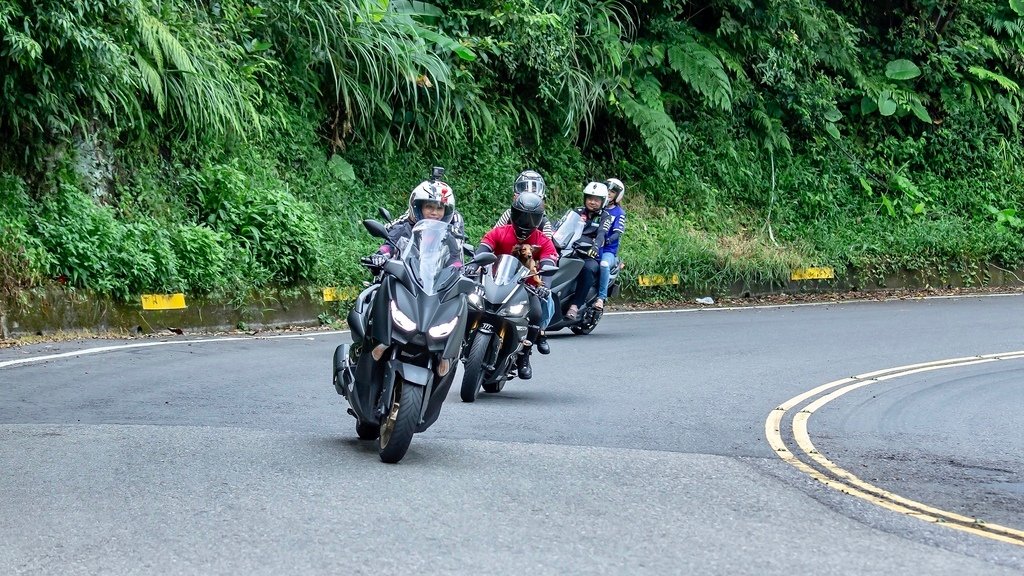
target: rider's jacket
596 226
611 240
502 240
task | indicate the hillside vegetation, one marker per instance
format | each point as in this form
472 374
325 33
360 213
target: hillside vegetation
220 147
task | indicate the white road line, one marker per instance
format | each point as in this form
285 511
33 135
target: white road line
100 349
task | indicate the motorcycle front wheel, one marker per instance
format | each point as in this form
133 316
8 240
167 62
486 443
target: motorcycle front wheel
473 374
398 426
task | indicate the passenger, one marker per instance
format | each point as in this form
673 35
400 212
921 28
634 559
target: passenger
610 250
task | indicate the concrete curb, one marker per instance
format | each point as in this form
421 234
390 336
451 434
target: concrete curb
60 309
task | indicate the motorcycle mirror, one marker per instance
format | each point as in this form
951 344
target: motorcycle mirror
385 214
468 249
548 268
484 259
376 229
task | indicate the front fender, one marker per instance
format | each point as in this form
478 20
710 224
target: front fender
411 373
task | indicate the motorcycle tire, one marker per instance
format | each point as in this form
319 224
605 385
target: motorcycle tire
473 372
367 431
398 426
588 325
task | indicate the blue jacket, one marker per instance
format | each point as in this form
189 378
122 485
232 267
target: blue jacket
611 240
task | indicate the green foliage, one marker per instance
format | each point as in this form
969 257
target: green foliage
705 264
66 64
89 247
22 256
277 229
250 139
201 257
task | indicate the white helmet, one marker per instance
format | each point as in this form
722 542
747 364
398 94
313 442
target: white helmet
615 185
427 191
596 189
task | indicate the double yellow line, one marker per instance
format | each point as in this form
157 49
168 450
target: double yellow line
806 458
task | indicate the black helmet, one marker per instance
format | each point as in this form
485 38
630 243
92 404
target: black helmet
529 181
527 214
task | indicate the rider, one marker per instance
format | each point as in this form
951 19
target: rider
524 239
610 251
532 181
597 224
528 181
430 200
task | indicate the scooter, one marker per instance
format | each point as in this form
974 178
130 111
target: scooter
572 247
407 330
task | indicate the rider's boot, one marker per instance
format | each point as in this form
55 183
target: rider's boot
525 371
542 344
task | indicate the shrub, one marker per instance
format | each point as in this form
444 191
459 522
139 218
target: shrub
201 257
278 230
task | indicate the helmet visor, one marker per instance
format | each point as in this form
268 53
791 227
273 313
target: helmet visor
529 186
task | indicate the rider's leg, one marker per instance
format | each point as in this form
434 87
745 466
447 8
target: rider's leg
533 317
548 309
608 261
586 281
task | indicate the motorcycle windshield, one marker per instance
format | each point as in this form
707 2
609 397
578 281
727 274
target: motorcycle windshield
570 228
429 254
508 270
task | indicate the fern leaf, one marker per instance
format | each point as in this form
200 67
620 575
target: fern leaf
645 111
702 70
983 74
152 82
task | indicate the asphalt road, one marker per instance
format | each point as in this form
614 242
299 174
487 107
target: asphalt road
637 449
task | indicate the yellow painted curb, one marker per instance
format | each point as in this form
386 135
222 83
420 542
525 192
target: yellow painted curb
813 274
657 280
163 301
339 294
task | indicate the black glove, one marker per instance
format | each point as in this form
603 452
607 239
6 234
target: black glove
379 260
592 253
471 269
542 292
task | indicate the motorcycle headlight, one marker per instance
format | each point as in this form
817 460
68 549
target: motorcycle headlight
442 330
516 309
401 320
475 300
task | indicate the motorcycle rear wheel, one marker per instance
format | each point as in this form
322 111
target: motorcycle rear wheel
586 327
473 375
398 426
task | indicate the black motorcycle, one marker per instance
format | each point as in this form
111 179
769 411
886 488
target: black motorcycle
407 330
497 328
572 247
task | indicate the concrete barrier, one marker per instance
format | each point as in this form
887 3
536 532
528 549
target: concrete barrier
57 308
